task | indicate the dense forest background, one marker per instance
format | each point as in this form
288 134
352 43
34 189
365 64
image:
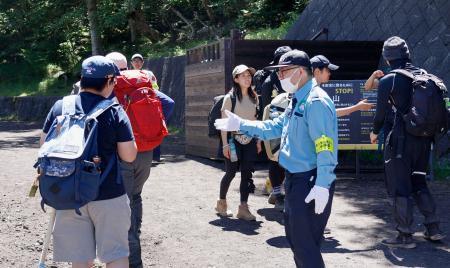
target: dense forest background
43 42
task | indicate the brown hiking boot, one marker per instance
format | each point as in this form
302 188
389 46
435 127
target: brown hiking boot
272 199
244 213
221 208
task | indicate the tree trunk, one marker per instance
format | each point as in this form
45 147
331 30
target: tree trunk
131 20
138 23
93 25
209 11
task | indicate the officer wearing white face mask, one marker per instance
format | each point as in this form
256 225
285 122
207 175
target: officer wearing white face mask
308 131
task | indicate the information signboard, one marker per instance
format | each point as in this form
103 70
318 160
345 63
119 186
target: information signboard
354 129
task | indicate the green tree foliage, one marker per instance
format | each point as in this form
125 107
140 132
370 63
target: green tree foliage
37 33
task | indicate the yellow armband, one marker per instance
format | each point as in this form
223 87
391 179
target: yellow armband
324 143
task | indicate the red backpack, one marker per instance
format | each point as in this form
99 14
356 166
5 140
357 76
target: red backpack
135 93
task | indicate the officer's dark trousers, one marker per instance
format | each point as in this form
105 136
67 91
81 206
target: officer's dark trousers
304 228
406 163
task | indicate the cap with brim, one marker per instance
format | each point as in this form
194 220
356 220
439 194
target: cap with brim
99 67
242 68
137 56
280 51
321 61
293 57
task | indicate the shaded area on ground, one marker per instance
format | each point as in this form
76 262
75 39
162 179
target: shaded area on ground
181 228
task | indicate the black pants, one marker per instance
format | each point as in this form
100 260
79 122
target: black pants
304 228
276 174
246 155
406 164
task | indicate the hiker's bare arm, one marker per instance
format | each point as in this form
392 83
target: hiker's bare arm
42 139
360 106
127 151
372 82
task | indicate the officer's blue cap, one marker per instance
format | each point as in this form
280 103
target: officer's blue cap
98 67
293 57
321 61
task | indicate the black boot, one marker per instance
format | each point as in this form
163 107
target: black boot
433 232
401 241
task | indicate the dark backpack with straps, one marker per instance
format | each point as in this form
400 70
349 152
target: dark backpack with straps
427 115
216 113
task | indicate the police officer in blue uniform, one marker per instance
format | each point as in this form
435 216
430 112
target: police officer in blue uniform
309 141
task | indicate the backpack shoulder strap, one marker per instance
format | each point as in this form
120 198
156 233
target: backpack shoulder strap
404 72
101 107
69 105
233 101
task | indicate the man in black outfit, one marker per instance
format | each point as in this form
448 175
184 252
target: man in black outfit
406 156
270 88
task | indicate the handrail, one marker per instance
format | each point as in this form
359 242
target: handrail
317 35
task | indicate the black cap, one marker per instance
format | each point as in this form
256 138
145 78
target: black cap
321 61
280 51
395 48
293 57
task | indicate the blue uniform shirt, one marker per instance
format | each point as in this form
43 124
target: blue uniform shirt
308 131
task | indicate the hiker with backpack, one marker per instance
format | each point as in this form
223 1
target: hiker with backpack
137 61
239 150
270 88
147 109
80 177
417 99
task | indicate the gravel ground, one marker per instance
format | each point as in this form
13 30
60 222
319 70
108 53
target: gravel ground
181 229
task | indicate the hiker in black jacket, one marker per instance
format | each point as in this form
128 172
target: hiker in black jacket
270 88
406 156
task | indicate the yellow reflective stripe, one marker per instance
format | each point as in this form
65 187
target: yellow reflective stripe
324 143
155 85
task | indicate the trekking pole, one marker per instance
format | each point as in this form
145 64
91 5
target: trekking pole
48 236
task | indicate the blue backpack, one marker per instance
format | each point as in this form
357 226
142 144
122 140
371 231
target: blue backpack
69 163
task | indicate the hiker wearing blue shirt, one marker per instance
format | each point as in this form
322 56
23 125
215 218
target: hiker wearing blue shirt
101 231
309 141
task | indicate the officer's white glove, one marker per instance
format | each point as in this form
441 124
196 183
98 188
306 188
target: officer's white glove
320 195
232 123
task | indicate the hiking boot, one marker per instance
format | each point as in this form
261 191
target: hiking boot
272 199
401 241
279 202
221 208
245 214
433 233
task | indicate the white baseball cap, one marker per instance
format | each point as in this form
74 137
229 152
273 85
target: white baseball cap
137 56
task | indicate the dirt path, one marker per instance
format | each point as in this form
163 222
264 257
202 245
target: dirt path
180 228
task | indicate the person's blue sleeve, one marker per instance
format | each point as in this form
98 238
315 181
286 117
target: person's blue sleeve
54 111
322 130
124 130
167 104
263 130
